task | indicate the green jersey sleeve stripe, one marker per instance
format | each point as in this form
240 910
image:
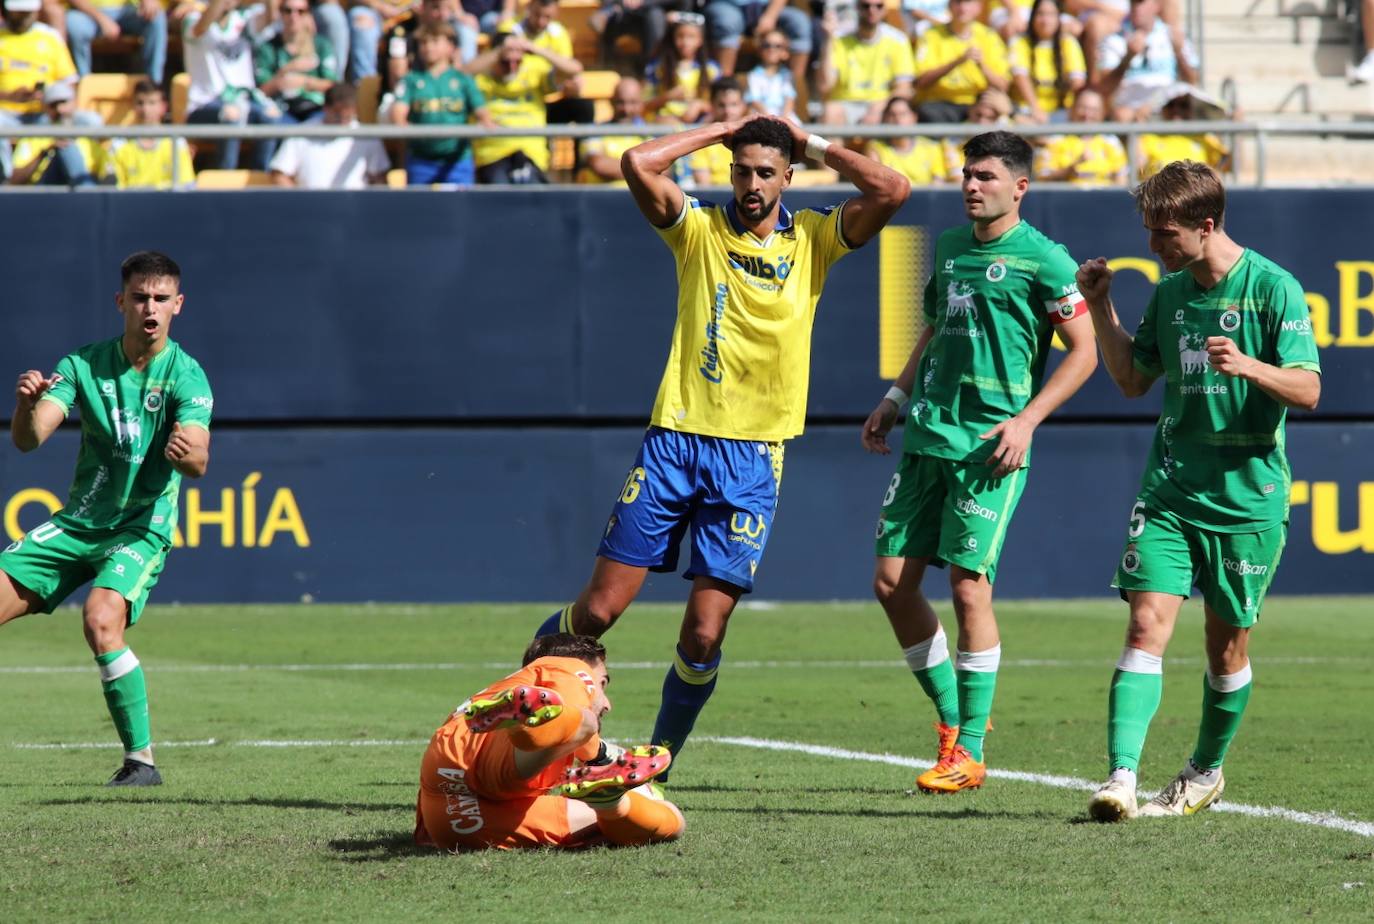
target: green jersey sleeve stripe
1303 364
66 408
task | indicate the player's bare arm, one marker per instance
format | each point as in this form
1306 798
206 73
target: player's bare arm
884 416
644 165
1297 388
1016 432
1095 284
882 190
34 420
188 449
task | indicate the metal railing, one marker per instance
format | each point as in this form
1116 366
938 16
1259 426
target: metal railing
1261 131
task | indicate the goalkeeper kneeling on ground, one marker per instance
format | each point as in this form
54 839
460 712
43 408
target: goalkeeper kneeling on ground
522 763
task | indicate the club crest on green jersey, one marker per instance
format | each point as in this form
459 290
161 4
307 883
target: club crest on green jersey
997 271
1230 319
152 402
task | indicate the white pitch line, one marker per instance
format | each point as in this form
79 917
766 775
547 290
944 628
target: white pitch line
631 665
1316 819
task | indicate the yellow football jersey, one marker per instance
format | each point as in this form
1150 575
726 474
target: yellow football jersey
1037 62
741 356
26 150
1103 158
554 38
940 45
610 145
923 165
29 58
134 166
865 71
516 103
1157 151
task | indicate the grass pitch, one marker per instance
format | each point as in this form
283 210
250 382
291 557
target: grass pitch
290 740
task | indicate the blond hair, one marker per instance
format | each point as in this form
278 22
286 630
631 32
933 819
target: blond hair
1184 193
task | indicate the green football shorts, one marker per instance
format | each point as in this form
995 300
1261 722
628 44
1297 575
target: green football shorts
951 512
55 558
1168 555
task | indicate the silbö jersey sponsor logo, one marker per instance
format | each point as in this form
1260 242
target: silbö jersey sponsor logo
760 266
710 367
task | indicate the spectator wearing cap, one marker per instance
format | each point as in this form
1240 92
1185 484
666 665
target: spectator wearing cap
58 161
956 62
860 71
1146 56
514 77
438 94
1180 103
87 20
332 163
297 65
219 59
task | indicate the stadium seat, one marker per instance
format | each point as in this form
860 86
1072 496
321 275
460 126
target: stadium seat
232 179
396 178
369 96
181 89
108 95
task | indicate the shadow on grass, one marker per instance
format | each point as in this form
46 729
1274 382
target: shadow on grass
378 849
147 798
675 789
968 813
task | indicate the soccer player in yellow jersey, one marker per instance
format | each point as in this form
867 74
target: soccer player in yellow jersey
749 275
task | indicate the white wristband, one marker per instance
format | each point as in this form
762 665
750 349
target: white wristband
897 396
815 148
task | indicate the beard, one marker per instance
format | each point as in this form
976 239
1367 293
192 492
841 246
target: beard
754 208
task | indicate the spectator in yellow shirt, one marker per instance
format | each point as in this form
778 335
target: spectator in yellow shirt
1180 103
1084 160
1047 66
147 163
515 76
711 165
956 62
920 160
58 161
601 155
32 56
859 72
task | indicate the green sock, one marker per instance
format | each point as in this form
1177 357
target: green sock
976 674
939 684
126 695
1130 707
1221 713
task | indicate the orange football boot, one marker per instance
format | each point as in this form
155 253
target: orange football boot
958 771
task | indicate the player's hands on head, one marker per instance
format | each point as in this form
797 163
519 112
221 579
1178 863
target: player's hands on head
32 385
877 427
1094 279
1227 358
1010 453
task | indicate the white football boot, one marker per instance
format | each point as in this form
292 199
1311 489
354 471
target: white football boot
1115 800
1190 792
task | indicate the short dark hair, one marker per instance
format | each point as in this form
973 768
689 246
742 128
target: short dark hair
433 30
341 94
149 263
768 132
565 645
724 85
1008 147
146 86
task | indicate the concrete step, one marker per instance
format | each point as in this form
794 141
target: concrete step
1291 30
1269 60
1261 8
1291 160
1260 94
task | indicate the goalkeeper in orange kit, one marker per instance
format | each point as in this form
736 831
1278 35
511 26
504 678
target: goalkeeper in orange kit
522 763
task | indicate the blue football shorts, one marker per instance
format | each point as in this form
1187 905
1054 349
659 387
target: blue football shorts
726 490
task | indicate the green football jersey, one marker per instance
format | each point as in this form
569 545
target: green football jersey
992 306
449 99
123 479
1217 459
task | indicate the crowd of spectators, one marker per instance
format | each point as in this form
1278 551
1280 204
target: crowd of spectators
491 63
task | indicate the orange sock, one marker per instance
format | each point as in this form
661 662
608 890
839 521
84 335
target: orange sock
552 733
637 819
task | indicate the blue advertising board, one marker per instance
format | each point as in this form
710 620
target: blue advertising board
496 305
